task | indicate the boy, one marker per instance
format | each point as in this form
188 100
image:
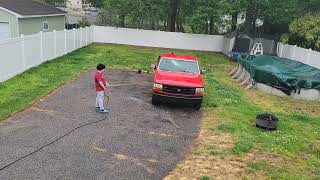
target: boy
101 86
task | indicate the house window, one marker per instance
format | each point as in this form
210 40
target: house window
45 26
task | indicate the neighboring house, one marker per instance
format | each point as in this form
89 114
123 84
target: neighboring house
74 4
27 17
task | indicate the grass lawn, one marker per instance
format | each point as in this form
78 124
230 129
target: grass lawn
228 145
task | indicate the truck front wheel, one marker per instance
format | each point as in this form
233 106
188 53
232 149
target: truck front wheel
197 106
154 100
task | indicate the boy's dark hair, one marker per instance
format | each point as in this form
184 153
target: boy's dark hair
100 67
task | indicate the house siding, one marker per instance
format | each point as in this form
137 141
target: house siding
7 17
34 25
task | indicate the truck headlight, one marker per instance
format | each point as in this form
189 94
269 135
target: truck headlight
199 90
157 86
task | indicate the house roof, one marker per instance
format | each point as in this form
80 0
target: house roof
29 8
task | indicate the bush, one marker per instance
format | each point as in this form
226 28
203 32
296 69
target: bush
304 32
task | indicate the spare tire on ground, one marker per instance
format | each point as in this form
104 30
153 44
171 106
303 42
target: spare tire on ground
267 122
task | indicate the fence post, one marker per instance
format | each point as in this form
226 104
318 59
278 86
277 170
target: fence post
86 36
281 51
74 38
92 29
41 46
294 51
65 41
309 54
55 42
80 36
23 53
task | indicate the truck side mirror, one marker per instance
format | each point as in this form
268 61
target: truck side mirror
153 66
203 71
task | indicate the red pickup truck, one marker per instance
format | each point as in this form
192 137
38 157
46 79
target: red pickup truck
178 79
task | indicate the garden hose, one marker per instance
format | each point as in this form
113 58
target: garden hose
64 135
108 98
48 144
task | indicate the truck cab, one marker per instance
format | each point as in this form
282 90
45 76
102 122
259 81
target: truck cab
178 79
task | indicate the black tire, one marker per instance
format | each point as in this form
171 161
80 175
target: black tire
197 106
154 101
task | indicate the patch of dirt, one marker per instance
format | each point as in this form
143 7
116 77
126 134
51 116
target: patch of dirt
100 149
121 156
209 155
263 101
282 104
258 155
212 166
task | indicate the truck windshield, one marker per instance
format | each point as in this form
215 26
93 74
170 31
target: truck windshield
179 66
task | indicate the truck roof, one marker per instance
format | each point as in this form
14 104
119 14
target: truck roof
181 57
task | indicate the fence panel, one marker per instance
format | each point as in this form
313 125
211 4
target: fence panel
11 58
70 40
314 59
22 53
32 50
48 46
60 43
83 37
287 51
306 56
138 37
78 38
301 55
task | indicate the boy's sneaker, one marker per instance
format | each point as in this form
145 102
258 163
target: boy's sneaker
104 111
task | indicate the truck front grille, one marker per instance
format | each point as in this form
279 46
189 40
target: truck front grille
179 90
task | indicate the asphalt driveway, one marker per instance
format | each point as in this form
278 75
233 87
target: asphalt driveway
135 141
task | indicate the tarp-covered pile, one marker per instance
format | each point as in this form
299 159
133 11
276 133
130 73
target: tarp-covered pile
284 74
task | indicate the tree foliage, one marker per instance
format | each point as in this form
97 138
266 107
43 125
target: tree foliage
305 32
204 16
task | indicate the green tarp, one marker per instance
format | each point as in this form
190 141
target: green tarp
284 74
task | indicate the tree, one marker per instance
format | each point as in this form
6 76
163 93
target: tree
305 32
120 8
207 13
173 8
204 16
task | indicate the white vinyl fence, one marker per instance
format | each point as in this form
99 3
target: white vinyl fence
22 53
306 56
138 37
227 45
